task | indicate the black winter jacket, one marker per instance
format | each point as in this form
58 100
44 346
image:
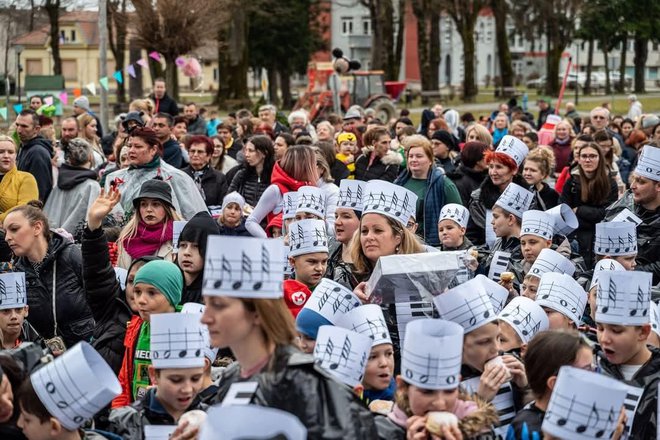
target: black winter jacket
249 185
214 185
339 171
165 105
34 158
466 180
172 153
546 198
383 168
63 264
105 298
292 383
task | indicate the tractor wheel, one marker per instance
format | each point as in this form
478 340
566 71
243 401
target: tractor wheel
384 109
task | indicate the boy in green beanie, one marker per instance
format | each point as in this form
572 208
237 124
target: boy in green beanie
157 288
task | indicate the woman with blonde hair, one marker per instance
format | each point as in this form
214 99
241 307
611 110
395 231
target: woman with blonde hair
87 130
519 128
478 133
500 127
16 187
538 166
561 144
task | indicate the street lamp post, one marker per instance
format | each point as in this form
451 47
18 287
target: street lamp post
18 49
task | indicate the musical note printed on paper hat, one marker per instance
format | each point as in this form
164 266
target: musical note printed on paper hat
655 318
342 353
431 354
350 194
514 148
391 200
622 298
307 237
243 267
467 304
515 199
584 405
565 219
289 205
368 320
13 294
551 261
497 293
615 238
76 385
311 200
604 264
198 310
525 316
237 422
648 163
331 300
560 292
537 223
455 212
177 340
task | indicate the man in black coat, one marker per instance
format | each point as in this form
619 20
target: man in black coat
163 102
162 125
35 152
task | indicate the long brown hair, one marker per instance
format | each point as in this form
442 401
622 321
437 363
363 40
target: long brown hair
276 320
597 188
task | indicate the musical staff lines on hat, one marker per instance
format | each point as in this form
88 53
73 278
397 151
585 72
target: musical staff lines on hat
289 205
515 199
467 304
525 316
514 148
496 293
177 340
648 163
604 264
551 261
243 267
655 318
565 219
622 298
391 200
431 354
560 292
331 300
615 238
350 194
76 385
306 237
584 405
455 212
367 320
311 200
537 223
342 353
13 293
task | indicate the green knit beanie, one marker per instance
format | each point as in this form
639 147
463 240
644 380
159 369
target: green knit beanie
164 276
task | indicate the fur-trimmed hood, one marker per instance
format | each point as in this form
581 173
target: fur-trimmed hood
391 158
481 420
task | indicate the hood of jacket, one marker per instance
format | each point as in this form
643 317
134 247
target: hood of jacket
71 176
39 141
391 157
285 182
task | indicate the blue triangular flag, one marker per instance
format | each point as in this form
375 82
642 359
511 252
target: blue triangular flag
118 76
18 108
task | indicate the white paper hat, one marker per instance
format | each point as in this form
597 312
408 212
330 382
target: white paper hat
553 119
388 199
331 300
342 353
604 264
233 197
177 228
648 163
615 238
237 422
515 199
455 212
76 385
537 223
307 236
560 292
350 194
514 148
431 354
551 261
198 310
655 318
289 205
467 304
243 267
368 320
565 219
623 297
121 274
177 340
525 316
497 293
12 290
311 200
584 405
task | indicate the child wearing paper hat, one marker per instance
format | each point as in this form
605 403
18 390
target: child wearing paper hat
520 320
618 241
428 388
231 219
14 327
548 260
452 225
562 299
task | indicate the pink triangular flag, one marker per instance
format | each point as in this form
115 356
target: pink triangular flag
180 61
155 55
142 62
64 97
131 70
48 100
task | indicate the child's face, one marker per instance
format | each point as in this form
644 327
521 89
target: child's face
627 261
529 287
276 232
33 428
347 147
189 259
423 401
306 215
11 321
177 387
558 321
306 343
380 368
481 345
130 287
502 222
346 223
231 215
150 301
509 339
451 234
531 246
622 343
152 211
310 268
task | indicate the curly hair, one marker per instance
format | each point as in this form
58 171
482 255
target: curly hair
544 157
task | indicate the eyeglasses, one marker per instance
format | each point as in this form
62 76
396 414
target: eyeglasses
197 152
588 156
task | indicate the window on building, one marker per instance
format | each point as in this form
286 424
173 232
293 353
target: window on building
655 47
652 73
448 36
73 35
489 36
366 26
34 67
70 70
347 25
519 41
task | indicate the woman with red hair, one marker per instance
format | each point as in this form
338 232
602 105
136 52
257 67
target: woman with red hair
503 165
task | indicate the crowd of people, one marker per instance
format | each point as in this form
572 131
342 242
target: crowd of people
186 277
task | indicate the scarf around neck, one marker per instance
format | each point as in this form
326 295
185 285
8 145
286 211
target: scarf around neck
149 239
285 182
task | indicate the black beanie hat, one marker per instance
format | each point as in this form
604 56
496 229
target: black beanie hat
198 229
446 138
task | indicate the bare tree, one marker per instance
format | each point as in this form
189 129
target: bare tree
232 37
427 13
52 8
117 35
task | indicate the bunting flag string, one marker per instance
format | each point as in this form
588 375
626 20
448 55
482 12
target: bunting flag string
118 77
92 88
131 70
104 82
3 112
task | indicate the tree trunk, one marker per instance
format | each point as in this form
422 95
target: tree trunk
499 8
621 86
469 86
434 50
171 76
641 54
400 32
53 10
273 96
590 65
285 86
382 38
423 53
553 58
135 85
233 61
32 11
117 32
606 59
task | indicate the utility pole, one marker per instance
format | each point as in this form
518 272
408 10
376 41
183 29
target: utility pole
103 56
